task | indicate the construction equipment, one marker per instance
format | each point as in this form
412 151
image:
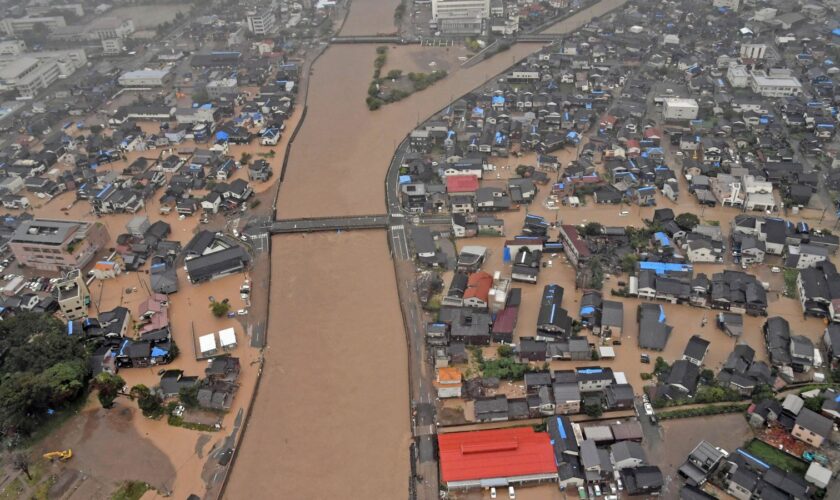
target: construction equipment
64 455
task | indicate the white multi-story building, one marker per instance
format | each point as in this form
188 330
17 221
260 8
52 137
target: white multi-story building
28 75
112 27
729 4
753 51
677 108
12 47
775 83
738 76
261 22
460 16
12 26
112 46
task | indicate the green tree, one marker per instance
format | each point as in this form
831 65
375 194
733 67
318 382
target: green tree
21 462
687 221
219 309
660 367
148 402
628 263
189 396
394 74
593 229
245 159
593 410
108 386
762 393
505 351
814 404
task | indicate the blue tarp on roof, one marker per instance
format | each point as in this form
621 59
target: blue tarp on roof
663 267
405 179
70 328
835 32
560 428
759 462
157 352
587 310
590 371
662 238
497 99
661 314
222 135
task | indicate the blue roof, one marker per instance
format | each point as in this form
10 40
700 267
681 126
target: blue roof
662 238
497 99
663 267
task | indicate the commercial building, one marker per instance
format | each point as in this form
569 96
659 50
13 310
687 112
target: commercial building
12 26
73 295
498 457
460 16
224 87
260 22
112 45
775 83
144 78
53 245
111 27
28 75
677 108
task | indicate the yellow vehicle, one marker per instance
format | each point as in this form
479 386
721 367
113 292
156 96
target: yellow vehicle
60 455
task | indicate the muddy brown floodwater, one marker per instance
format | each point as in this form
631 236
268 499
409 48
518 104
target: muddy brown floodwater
332 409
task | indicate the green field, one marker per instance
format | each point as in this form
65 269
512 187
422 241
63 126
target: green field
779 458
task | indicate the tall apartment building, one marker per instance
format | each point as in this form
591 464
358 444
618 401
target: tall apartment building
261 22
11 26
73 295
753 50
55 245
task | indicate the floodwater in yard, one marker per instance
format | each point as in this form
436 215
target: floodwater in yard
726 431
332 409
685 319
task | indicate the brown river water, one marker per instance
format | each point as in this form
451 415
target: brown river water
331 415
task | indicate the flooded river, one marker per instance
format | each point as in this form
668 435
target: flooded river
332 410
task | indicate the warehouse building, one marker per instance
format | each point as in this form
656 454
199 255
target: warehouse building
144 78
496 458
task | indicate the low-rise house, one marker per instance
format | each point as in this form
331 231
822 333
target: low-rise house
448 382
643 480
493 409
701 463
777 340
695 350
627 454
653 329
566 398
812 428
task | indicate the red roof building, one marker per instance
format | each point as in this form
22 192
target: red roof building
478 289
496 458
461 184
